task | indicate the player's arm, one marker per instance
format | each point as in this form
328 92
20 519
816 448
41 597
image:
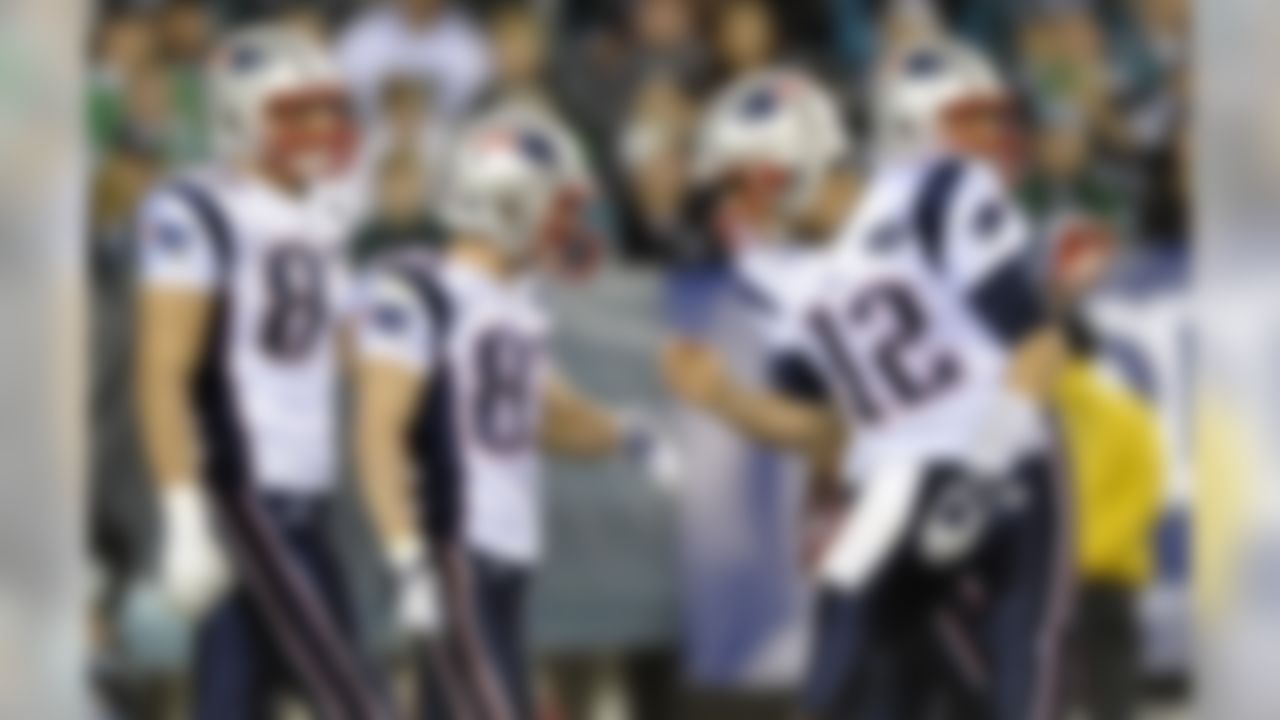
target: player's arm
172 323
987 256
178 278
177 281
573 424
392 343
386 398
1036 361
695 373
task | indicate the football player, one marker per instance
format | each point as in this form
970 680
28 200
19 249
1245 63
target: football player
239 301
928 337
775 168
458 397
776 159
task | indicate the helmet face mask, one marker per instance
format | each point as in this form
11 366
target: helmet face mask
566 243
751 200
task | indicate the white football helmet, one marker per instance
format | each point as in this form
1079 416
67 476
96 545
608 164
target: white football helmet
916 88
259 79
517 179
781 119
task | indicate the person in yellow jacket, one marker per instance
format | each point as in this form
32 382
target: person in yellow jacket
1113 451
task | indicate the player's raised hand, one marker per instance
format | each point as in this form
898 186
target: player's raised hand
693 371
193 570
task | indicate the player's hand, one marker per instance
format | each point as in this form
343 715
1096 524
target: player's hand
193 570
417 595
693 371
652 451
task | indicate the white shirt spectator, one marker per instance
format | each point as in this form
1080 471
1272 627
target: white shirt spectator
448 52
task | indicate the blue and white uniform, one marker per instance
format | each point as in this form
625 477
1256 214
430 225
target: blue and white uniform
479 342
915 308
275 266
265 399
910 330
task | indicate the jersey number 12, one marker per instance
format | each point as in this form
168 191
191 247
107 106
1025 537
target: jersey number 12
889 322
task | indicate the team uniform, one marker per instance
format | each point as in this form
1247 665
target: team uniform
777 279
480 344
909 331
265 395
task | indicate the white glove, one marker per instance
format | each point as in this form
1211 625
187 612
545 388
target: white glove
193 570
650 450
417 601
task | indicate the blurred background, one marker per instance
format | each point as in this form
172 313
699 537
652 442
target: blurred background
649 609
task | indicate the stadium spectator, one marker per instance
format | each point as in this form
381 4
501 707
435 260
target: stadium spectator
406 122
1063 69
130 164
519 49
907 24
652 147
432 40
1157 116
600 70
307 17
125 46
1066 178
184 29
744 37
149 109
1151 62
400 215
518 35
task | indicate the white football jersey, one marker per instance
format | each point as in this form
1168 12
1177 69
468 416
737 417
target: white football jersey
481 344
910 324
266 389
778 277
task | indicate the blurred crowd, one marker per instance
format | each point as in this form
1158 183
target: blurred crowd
1104 87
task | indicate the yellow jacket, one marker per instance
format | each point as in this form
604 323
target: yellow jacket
1115 459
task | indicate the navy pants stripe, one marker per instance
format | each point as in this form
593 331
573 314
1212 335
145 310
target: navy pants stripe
286 623
1031 600
984 640
479 670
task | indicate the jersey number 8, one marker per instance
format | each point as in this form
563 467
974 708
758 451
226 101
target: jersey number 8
296 302
504 394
